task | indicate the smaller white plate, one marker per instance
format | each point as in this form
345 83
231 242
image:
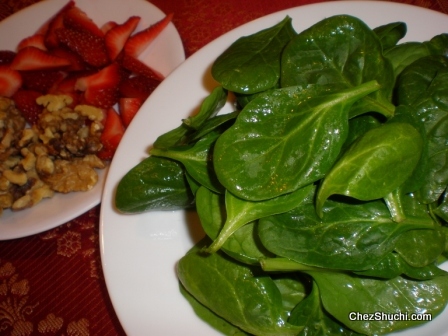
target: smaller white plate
164 55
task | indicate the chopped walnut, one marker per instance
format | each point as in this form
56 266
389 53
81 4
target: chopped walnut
44 165
76 175
58 154
15 177
91 112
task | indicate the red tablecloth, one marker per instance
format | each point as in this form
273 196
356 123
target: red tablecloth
52 283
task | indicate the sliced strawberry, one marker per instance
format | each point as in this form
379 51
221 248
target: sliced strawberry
139 68
112 134
67 87
138 87
92 49
43 30
107 77
41 80
102 98
51 38
116 37
25 101
6 57
56 22
36 40
128 108
77 19
101 88
10 81
138 42
32 58
76 62
108 26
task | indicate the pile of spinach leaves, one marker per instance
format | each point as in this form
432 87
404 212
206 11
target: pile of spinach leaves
323 193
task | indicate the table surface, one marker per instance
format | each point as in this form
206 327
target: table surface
35 296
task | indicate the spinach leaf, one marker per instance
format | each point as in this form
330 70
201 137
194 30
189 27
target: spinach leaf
214 123
340 50
421 247
197 160
415 85
389 34
153 184
283 140
249 301
406 53
375 165
442 209
343 294
394 265
424 85
252 63
194 185
316 321
359 125
240 212
210 317
350 236
180 135
293 289
244 244
408 114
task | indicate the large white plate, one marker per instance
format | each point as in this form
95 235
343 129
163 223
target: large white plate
165 54
139 252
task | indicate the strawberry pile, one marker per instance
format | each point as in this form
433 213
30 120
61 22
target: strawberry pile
95 65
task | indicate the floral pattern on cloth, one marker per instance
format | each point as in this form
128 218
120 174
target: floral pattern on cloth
16 310
37 297
78 237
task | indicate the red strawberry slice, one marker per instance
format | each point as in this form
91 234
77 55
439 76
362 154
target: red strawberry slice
77 19
101 97
138 87
128 108
138 42
101 88
56 22
6 57
10 81
37 40
67 87
25 101
76 62
41 80
108 26
107 77
139 68
32 58
112 133
117 36
92 49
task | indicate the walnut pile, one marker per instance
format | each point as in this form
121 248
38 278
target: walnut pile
58 154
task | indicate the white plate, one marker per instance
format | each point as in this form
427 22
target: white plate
165 54
139 252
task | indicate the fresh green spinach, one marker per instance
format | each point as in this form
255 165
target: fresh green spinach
323 193
284 140
252 64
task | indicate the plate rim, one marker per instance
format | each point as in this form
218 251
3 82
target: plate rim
110 189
